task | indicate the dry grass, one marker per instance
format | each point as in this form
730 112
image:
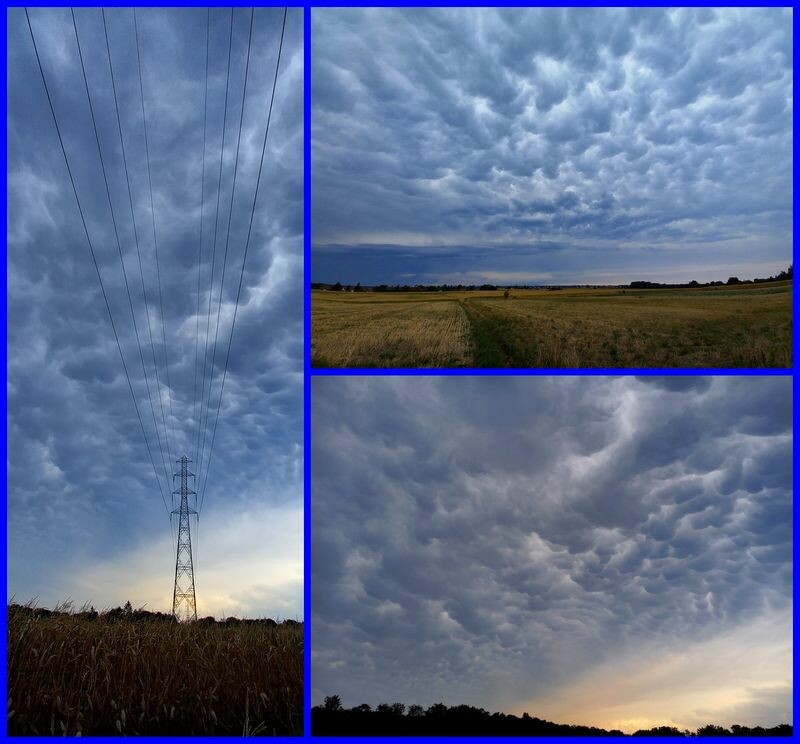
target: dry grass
642 330
390 334
71 676
738 327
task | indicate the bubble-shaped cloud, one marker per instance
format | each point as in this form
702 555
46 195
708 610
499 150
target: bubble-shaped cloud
488 540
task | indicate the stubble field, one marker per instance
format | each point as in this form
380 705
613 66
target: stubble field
739 326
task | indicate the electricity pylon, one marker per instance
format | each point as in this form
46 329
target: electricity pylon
184 606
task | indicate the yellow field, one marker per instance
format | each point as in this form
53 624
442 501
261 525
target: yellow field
739 326
386 334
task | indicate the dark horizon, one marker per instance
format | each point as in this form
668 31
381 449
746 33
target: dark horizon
332 718
783 275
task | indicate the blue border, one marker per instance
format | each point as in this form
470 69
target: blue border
308 372
307 368
3 623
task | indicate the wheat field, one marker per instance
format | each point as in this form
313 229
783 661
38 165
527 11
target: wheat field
742 326
73 676
391 334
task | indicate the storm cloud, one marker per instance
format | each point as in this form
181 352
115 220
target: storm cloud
85 519
551 145
609 551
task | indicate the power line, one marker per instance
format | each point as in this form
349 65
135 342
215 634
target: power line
230 216
214 254
116 232
94 257
244 258
155 239
135 231
195 424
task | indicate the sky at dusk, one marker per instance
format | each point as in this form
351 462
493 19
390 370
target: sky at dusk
85 518
546 145
603 551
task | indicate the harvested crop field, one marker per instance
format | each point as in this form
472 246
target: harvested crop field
391 334
69 675
741 326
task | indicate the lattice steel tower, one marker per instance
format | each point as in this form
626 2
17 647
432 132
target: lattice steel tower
184 606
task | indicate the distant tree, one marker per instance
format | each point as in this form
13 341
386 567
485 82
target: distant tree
333 702
415 710
358 288
733 280
712 730
397 709
660 731
693 283
128 609
363 708
337 287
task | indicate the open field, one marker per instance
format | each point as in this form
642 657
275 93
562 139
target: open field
408 333
730 326
81 675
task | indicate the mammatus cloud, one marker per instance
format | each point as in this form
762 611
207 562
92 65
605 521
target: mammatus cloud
514 543
590 144
85 519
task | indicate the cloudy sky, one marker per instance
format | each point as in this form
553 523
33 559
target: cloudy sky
549 145
85 518
615 552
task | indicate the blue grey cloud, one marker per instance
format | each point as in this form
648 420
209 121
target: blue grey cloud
608 131
81 487
491 540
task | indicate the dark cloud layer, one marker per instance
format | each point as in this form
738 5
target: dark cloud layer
489 540
81 487
610 132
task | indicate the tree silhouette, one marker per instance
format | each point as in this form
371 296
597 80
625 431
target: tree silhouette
393 719
712 730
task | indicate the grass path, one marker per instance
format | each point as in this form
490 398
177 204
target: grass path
571 329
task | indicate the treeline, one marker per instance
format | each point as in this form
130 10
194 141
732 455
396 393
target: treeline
129 614
331 719
783 276
339 287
